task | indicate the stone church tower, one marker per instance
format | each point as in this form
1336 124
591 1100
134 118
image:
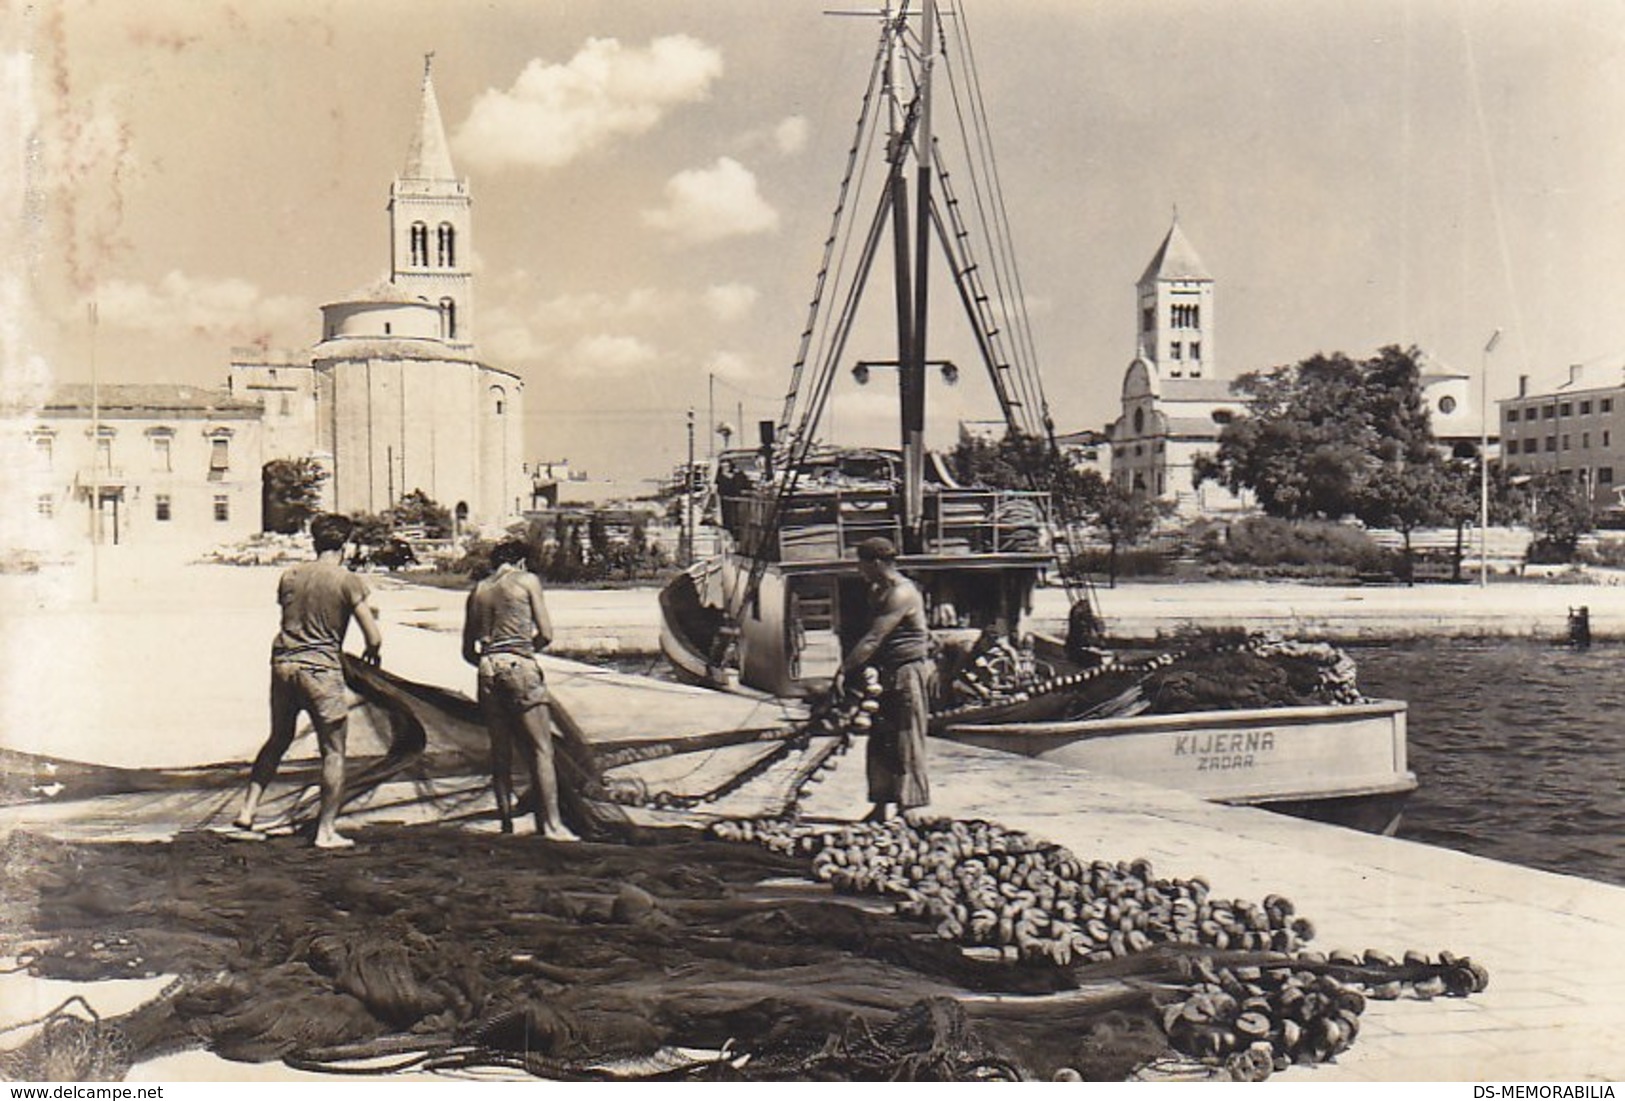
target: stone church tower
393 398
1175 401
431 244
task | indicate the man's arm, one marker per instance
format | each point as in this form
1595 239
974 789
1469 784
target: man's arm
369 631
538 608
471 632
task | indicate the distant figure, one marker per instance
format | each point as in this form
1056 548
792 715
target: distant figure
318 598
898 644
506 624
1580 627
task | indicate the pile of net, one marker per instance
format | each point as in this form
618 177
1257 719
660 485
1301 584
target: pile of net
763 951
999 684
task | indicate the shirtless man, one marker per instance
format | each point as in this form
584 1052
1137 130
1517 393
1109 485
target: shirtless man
898 644
318 598
506 624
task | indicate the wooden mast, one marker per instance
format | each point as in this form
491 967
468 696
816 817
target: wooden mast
912 367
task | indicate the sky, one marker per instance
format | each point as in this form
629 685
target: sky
653 183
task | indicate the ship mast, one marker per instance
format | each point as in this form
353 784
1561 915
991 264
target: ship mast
912 272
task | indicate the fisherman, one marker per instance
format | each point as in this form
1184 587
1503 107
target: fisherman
307 674
898 645
506 624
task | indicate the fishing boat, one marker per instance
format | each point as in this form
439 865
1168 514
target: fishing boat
774 611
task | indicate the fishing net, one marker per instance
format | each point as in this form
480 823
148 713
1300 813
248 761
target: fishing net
676 956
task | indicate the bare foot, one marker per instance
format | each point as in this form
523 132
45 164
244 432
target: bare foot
333 841
241 824
561 833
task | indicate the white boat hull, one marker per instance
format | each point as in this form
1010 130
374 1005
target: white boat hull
1344 764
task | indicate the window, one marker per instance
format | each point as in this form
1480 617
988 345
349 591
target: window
1605 437
1139 420
1565 441
1549 412
1551 443
45 505
1196 349
1512 416
1606 405
1585 408
498 400
388 331
219 455
1566 409
447 246
44 449
1148 319
1605 475
222 508
448 319
104 452
1585 439
1447 405
1530 446
160 508
160 454
420 245
1174 350
284 406
1185 317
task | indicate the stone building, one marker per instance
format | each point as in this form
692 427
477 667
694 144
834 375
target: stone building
1576 429
1174 399
393 398
139 464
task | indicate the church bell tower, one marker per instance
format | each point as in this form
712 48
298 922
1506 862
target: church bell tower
431 241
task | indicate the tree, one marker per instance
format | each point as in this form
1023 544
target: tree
418 510
1125 516
1561 511
1405 496
1020 461
292 490
1318 430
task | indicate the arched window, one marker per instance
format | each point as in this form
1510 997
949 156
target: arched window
420 245
448 319
499 400
448 246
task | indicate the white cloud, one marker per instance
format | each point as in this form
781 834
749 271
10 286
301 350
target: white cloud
556 113
790 136
604 354
182 304
596 308
730 301
706 204
508 338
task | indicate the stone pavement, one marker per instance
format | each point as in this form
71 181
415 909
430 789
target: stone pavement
1554 945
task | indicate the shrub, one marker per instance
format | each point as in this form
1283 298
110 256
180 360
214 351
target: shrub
1271 543
1131 562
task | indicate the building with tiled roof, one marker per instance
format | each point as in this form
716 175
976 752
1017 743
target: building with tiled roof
135 464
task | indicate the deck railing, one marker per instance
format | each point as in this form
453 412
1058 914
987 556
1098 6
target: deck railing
828 524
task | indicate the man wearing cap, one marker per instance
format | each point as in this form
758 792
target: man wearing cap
898 645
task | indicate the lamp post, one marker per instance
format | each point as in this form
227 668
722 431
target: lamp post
688 496
1484 459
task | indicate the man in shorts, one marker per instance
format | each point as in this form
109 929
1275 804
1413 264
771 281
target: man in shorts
505 625
318 599
898 645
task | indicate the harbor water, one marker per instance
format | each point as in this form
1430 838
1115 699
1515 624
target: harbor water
1518 745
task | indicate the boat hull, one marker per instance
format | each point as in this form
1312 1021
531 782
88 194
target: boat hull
1341 764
